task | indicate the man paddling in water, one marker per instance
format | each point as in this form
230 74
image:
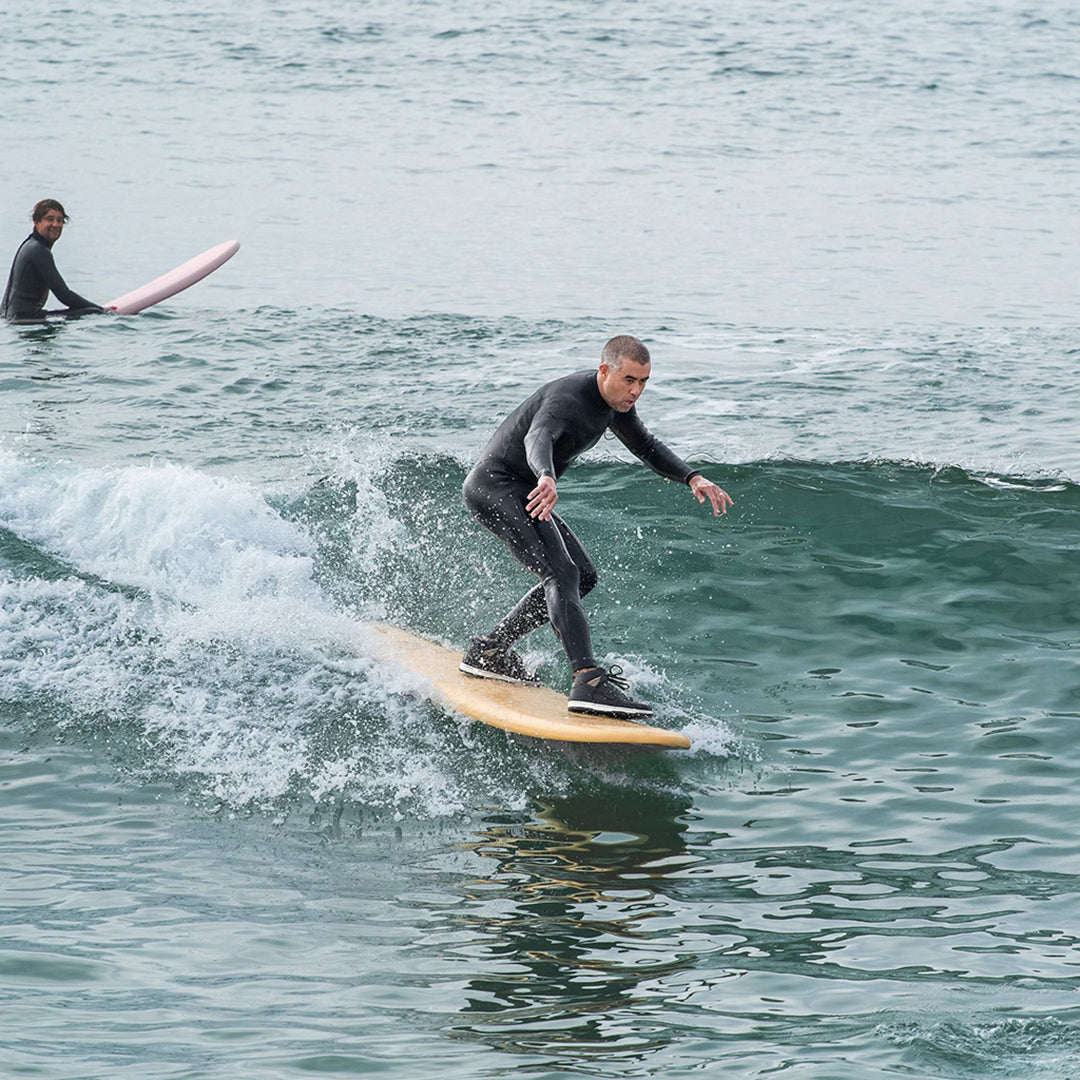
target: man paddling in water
34 275
511 491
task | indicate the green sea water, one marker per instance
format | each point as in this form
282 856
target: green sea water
237 844
234 843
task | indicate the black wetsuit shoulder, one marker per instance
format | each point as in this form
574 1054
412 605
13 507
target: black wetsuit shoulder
562 420
33 276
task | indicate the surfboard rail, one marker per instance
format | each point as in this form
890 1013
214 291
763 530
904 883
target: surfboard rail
536 711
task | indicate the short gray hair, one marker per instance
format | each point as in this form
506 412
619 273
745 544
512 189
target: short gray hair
624 347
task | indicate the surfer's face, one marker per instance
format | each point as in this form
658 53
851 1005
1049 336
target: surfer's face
620 387
50 226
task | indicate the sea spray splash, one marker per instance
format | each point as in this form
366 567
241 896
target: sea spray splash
179 617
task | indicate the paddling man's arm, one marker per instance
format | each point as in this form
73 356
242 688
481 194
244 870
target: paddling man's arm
45 265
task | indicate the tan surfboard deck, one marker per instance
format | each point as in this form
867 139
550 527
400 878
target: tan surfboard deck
537 711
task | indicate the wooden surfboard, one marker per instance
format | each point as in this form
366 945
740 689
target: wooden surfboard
537 711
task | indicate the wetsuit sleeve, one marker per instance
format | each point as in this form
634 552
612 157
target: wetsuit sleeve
540 444
643 444
45 265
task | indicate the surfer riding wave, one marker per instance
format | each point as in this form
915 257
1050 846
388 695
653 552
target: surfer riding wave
512 492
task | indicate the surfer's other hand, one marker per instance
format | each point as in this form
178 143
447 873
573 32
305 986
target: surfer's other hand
542 499
705 489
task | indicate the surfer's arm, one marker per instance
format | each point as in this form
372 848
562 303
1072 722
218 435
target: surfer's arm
644 445
539 443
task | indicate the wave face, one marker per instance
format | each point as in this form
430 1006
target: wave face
219 639
219 635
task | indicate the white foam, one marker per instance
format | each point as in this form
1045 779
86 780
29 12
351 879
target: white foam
178 533
176 614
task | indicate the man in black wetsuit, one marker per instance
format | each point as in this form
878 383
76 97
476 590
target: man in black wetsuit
511 491
34 274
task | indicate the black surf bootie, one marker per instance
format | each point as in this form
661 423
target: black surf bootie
601 691
486 659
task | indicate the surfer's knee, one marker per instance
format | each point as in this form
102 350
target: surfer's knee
471 496
587 578
561 577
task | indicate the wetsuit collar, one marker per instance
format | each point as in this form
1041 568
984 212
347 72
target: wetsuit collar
598 398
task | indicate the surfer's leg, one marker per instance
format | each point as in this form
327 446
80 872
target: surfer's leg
547 549
532 610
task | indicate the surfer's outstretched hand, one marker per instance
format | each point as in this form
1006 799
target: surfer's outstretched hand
705 489
542 499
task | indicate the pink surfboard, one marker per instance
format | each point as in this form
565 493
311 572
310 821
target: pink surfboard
175 280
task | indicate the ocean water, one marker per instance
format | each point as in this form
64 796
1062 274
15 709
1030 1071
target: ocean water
233 843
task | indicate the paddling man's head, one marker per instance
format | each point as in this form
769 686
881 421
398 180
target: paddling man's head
624 370
49 220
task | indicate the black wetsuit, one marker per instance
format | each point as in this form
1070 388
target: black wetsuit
33 276
542 437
